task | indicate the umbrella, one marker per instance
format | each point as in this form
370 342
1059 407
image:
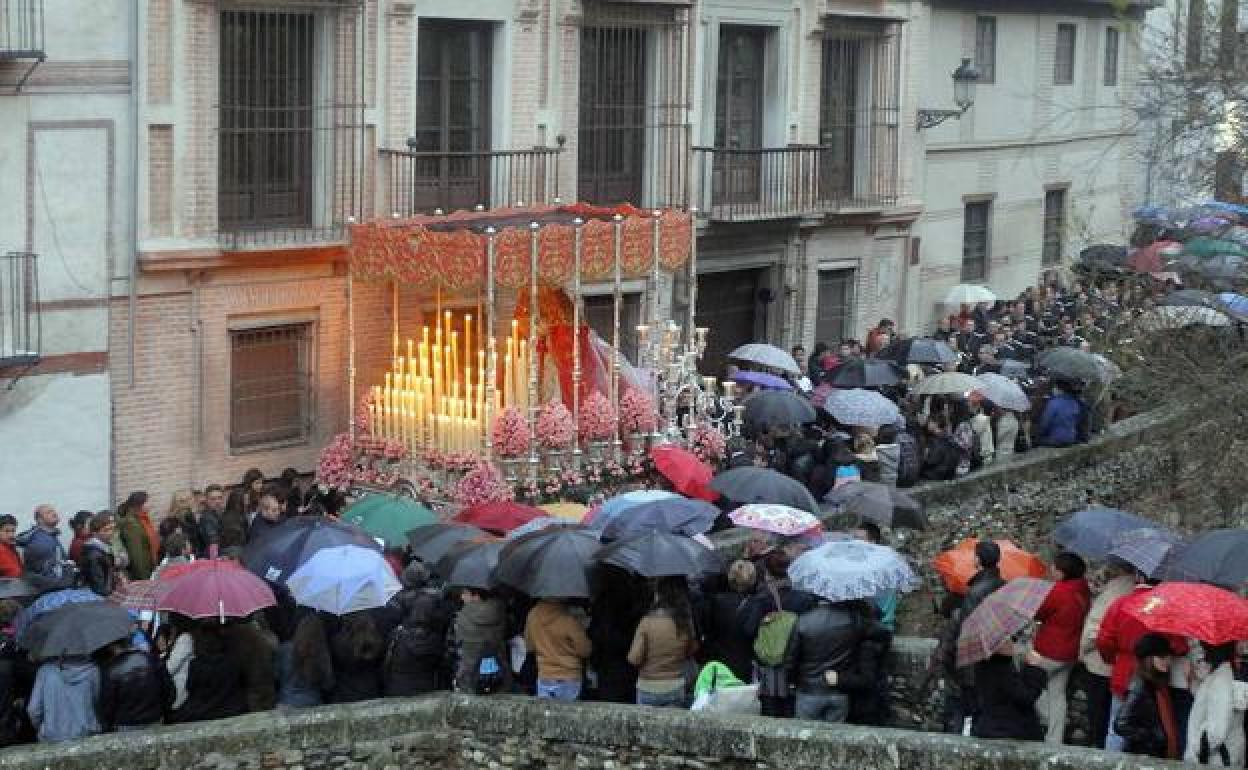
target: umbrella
766 355
1203 612
861 407
776 519
843 570
1001 615
660 554
919 350
1015 370
1212 247
22 587
763 485
389 517
623 502
283 549
567 511
1076 365
865 373
676 516
344 579
552 563
1189 298
1150 258
1003 392
431 543
762 380
688 474
1103 255
957 565
51 601
220 590
946 383
536 525
969 294
778 407
881 503
1236 304
1091 533
500 517
1176 317
76 630
1144 549
1217 557
471 565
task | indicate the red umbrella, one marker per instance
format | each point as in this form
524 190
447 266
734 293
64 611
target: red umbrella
1198 610
499 517
216 591
688 474
178 569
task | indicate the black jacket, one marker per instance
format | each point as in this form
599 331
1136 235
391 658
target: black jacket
260 526
207 531
96 565
940 460
761 604
726 640
134 690
355 678
214 689
1139 721
825 639
866 679
416 652
1006 699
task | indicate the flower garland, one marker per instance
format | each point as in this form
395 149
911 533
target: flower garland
597 418
637 412
555 429
708 444
483 484
511 433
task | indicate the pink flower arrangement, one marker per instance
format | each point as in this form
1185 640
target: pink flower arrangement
394 450
597 418
637 412
708 444
337 461
363 423
484 483
455 462
511 433
555 429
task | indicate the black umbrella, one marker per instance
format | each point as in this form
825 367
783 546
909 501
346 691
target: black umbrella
28 586
1110 255
549 563
864 373
675 515
763 485
287 546
1215 557
1091 533
778 407
885 505
659 554
919 350
76 630
471 565
430 543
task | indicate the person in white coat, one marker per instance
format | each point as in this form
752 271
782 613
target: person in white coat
1215 728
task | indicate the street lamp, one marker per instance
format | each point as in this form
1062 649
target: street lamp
964 79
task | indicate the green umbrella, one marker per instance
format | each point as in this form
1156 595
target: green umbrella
389 517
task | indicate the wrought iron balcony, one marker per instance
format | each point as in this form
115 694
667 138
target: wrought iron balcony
423 182
20 328
21 34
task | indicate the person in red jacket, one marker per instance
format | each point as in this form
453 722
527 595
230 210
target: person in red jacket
10 559
1116 644
1056 645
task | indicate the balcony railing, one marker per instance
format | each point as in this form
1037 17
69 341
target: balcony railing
744 185
423 182
20 329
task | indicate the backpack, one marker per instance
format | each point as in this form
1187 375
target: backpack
774 633
489 675
908 462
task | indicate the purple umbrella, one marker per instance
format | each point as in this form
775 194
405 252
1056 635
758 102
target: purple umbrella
763 380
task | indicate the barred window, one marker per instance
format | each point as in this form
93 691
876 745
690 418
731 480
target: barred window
986 48
1054 226
975 240
834 320
1111 56
271 374
1064 56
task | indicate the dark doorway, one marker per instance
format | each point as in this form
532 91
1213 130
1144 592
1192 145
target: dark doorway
728 305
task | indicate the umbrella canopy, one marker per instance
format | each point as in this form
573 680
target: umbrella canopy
1212 247
344 579
1091 532
843 570
221 590
276 555
389 517
1216 557
762 380
1002 614
676 516
1077 365
969 294
1103 255
51 601
1144 549
881 503
1151 258
763 485
76 630
861 408
1003 392
567 511
500 517
1201 611
1015 370
919 350
1235 304
1189 298
537 525
956 566
22 588
656 554
687 473
865 373
766 355
553 563
776 519
946 383
432 542
1176 317
778 407
627 500
471 565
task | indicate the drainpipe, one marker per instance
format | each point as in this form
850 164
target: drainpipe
132 283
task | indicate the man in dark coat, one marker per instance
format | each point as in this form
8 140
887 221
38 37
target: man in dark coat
960 698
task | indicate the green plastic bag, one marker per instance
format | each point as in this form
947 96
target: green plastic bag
714 676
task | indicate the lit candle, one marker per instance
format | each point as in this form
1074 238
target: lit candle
729 386
409 347
708 384
468 346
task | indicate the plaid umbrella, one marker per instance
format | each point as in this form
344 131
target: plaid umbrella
864 408
774 518
1002 614
883 504
1144 549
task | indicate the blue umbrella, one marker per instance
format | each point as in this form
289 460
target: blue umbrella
627 500
287 546
52 601
677 516
1144 549
1236 303
763 380
1091 532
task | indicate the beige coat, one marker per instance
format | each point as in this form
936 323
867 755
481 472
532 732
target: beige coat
1114 589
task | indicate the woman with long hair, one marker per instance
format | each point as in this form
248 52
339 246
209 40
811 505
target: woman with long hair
357 649
305 672
214 682
664 645
1153 718
138 536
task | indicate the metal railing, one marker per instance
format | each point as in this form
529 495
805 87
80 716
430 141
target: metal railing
21 29
423 182
20 327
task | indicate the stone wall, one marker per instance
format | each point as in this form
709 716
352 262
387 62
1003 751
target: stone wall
511 733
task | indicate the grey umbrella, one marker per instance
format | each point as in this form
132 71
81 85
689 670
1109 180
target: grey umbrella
766 355
76 630
885 505
1215 557
1077 365
1189 298
776 408
919 350
763 485
551 563
471 565
432 542
865 373
660 554
676 515
861 407
1091 532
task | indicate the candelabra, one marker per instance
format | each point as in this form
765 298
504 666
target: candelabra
684 397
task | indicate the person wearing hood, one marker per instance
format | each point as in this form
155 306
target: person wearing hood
97 564
561 647
138 536
134 691
62 704
417 645
481 630
41 544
